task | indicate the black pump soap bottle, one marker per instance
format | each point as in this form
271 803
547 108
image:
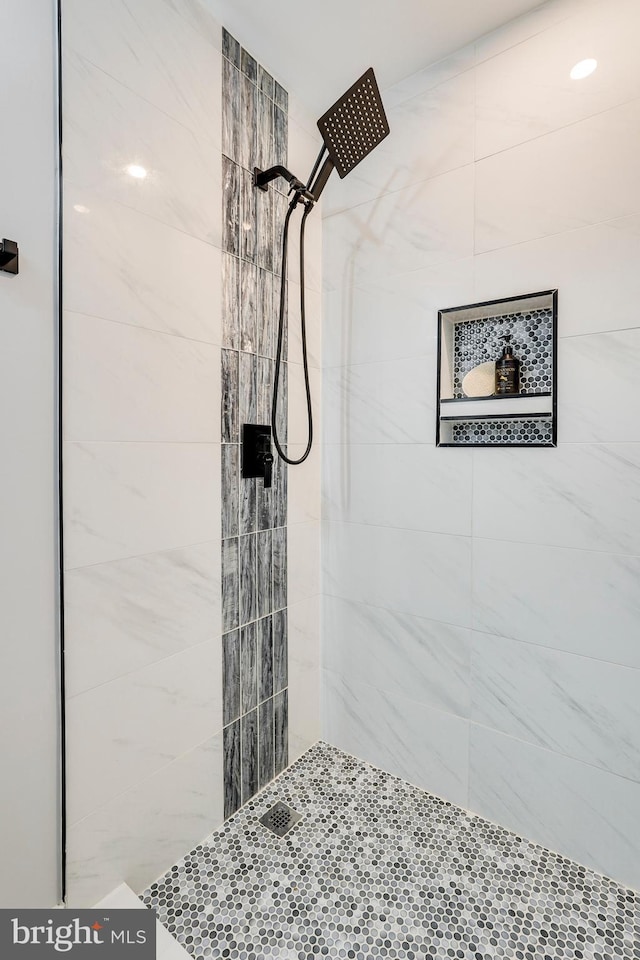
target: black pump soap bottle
507 370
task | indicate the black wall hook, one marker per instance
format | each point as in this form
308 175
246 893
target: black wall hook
9 256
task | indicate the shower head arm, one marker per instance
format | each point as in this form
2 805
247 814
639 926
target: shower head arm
321 180
261 179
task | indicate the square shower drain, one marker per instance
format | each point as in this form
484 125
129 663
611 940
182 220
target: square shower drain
280 819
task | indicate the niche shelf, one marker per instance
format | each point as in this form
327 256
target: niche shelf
470 335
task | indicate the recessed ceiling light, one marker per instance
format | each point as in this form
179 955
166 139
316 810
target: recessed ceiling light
583 69
80 208
136 171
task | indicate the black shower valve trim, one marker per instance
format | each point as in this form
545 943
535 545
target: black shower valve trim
9 256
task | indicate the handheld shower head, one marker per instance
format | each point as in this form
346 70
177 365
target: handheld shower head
351 129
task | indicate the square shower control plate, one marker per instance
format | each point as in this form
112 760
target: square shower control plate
280 819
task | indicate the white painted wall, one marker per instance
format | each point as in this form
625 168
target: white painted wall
29 745
482 608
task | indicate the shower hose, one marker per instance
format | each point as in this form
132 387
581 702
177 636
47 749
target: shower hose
303 329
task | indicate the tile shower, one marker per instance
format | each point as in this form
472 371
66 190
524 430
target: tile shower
254 518
423 606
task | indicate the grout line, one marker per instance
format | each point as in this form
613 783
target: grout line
145 329
139 783
195 131
555 753
471 536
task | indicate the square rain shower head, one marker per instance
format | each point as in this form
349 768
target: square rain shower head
355 124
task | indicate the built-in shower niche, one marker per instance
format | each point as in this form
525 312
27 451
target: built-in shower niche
471 335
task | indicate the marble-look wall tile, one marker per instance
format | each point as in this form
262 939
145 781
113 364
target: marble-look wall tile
423 574
574 179
155 715
230 487
265 82
251 326
248 307
230 301
572 807
249 66
266 743
264 573
280 96
578 601
264 227
280 137
277 287
230 389
264 138
304 569
248 239
427 661
150 834
298 421
313 325
279 568
281 731
109 127
231 215
304 680
576 706
126 383
249 737
231 704
283 404
265 658
230 108
266 317
111 250
420 226
141 610
280 207
304 501
129 499
265 505
436 490
595 273
248 504
541 491
248 668
356 328
264 389
392 401
159 51
427 747
232 769
535 21
248 571
432 133
247 126
612 360
553 103
230 47
247 402
280 498
280 651
230 584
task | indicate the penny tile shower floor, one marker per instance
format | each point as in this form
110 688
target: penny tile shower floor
378 868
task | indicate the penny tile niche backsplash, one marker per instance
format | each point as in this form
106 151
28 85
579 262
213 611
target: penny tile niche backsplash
254 541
